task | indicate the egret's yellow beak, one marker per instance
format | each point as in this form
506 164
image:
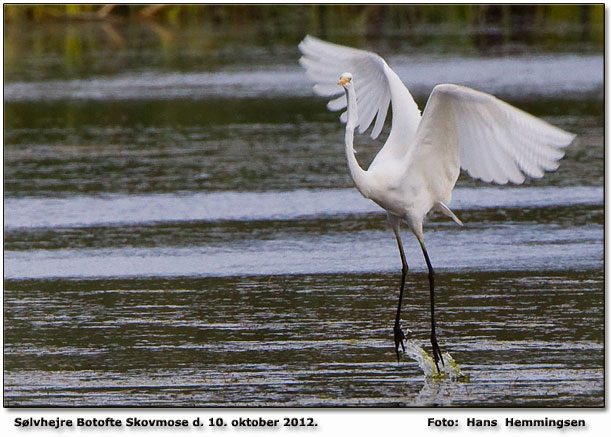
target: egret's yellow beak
343 81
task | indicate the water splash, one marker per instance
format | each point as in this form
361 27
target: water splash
450 370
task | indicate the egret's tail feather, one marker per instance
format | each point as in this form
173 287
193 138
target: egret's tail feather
443 208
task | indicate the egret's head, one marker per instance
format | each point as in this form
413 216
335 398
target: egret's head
345 79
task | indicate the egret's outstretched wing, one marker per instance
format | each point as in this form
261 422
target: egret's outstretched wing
491 140
325 62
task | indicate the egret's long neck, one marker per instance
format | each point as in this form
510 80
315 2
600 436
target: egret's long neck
359 176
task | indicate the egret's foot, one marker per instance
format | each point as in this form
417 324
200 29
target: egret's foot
399 337
436 352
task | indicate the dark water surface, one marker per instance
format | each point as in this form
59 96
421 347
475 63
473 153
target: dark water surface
180 229
524 338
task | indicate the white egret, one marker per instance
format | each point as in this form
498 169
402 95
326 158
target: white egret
416 169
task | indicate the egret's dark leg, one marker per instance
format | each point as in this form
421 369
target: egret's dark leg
436 351
399 335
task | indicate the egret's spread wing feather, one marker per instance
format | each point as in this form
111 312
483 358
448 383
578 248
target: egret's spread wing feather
325 62
496 142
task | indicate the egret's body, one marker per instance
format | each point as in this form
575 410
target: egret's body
416 169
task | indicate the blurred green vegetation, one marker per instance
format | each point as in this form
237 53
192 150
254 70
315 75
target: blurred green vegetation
367 18
57 41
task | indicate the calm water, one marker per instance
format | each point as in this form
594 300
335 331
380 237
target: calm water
180 229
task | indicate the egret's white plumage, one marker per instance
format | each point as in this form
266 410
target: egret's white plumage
417 168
